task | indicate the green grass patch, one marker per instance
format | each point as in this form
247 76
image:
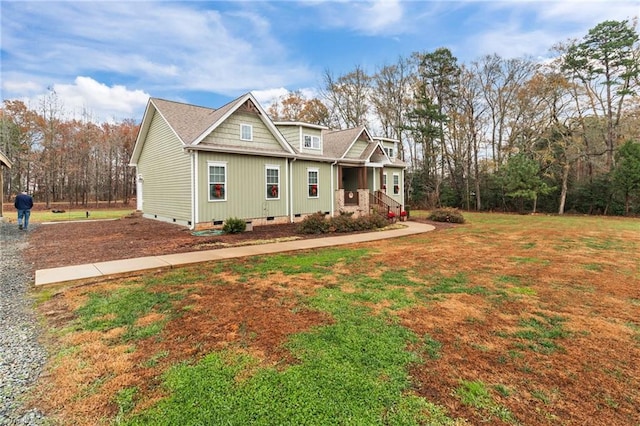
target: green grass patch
527 291
123 308
39 216
596 267
458 283
603 244
350 372
476 394
431 347
529 260
541 332
318 263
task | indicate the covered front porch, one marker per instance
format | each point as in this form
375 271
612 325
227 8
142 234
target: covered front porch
360 192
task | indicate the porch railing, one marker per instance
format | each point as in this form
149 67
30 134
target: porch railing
383 204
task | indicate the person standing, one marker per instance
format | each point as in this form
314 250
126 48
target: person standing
24 204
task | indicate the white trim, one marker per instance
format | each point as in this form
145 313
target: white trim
317 184
318 148
244 126
226 181
266 182
301 124
394 184
139 191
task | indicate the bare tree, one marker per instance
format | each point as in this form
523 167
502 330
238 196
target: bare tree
347 97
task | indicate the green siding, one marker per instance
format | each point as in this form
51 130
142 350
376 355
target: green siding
246 188
302 203
291 134
166 171
228 134
357 149
390 171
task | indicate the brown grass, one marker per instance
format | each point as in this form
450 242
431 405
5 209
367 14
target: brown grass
529 269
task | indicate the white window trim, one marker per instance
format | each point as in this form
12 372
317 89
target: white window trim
246 126
384 182
272 167
209 183
317 184
396 177
318 148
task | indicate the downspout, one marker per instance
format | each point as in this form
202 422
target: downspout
333 192
194 189
290 191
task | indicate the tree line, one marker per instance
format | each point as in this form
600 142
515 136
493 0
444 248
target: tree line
508 134
503 134
73 161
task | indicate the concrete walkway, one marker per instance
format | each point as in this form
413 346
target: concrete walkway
124 266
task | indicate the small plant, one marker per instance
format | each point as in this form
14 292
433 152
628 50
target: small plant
233 225
446 214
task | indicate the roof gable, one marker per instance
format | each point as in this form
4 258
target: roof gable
4 160
248 103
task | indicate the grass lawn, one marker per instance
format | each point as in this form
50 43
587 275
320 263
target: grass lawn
40 216
504 320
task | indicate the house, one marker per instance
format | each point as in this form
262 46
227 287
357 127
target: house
4 162
198 166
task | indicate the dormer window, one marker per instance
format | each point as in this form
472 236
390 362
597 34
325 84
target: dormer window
389 152
246 132
311 142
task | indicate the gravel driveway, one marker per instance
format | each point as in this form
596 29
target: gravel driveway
21 355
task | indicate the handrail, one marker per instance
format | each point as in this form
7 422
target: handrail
384 204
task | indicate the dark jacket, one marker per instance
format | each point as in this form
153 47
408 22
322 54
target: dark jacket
23 202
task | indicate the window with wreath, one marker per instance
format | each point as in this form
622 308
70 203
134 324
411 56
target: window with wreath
273 182
384 182
312 183
217 182
396 183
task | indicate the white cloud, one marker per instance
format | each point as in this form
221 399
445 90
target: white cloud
101 102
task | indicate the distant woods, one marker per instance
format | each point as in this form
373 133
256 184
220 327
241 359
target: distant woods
508 134
60 160
503 134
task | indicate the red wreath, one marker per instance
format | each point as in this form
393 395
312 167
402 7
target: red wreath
274 190
218 189
314 190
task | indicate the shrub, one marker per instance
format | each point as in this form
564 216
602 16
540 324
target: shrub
446 215
374 221
233 225
314 224
344 223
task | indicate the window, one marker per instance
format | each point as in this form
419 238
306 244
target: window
217 182
246 132
396 183
273 182
389 152
312 142
312 183
384 181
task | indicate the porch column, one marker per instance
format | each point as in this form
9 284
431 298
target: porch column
362 178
